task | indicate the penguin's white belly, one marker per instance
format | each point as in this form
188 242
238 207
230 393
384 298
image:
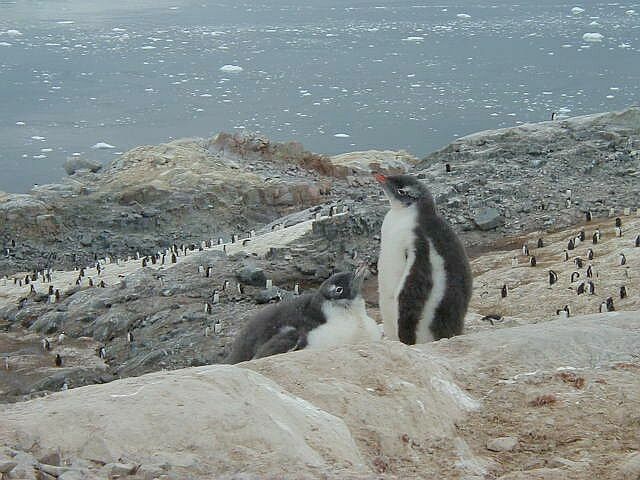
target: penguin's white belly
394 263
343 326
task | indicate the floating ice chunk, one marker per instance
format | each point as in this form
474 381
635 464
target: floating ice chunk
102 146
231 69
592 37
20 124
624 45
66 22
46 150
38 157
463 15
117 29
341 135
413 39
610 97
147 47
14 33
36 137
630 12
594 24
577 10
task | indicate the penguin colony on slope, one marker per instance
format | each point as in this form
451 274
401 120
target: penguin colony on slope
584 279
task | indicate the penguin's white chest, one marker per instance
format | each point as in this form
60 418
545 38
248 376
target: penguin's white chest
397 253
344 326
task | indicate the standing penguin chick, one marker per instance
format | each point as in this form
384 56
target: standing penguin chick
424 277
334 315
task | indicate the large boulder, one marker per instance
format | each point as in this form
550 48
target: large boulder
73 164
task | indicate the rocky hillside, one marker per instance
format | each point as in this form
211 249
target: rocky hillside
500 182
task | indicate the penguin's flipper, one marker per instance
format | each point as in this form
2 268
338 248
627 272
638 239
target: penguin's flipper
287 340
414 292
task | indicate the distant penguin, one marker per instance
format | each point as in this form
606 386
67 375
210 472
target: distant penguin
568 310
567 203
618 222
554 115
610 307
591 288
576 241
504 291
207 308
424 275
525 250
587 216
589 271
58 360
334 315
603 307
296 289
575 276
565 255
532 261
61 337
540 243
129 337
637 243
622 260
514 261
590 254
582 236
174 259
618 231
571 245
447 167
581 288
578 261
102 353
553 277
594 239
215 298
623 292
46 345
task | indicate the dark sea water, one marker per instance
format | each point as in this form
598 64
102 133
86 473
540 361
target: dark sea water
387 74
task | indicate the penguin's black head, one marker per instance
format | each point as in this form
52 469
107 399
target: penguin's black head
405 190
344 285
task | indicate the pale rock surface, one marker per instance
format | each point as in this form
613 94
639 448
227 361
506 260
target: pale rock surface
385 161
382 409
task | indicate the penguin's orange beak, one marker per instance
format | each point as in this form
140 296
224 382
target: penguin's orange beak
380 177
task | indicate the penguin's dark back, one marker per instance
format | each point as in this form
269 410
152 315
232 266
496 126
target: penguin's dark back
303 313
450 313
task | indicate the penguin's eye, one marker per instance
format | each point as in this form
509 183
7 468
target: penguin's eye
402 192
339 290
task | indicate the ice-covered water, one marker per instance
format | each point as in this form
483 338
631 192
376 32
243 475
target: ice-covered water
335 75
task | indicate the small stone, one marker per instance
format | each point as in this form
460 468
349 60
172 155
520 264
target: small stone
630 467
502 444
54 470
51 458
7 466
72 475
121 469
488 218
251 275
73 164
